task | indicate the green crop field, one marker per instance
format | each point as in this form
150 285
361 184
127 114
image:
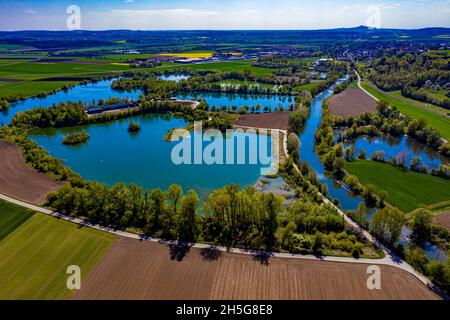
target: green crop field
406 190
36 255
219 66
307 86
443 111
436 121
11 217
28 78
30 88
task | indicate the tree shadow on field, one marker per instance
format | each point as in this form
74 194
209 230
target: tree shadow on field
263 257
179 250
211 253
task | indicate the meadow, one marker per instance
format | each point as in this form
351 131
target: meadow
443 111
405 190
219 66
11 217
35 255
28 78
439 122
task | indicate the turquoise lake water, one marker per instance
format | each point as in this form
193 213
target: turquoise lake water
86 93
113 155
240 100
395 146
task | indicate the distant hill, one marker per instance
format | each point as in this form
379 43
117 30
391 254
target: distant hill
57 40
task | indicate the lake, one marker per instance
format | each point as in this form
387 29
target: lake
221 99
394 146
87 93
113 155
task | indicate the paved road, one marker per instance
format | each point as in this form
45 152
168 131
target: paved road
360 86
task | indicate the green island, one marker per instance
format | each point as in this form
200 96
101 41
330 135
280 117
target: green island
75 138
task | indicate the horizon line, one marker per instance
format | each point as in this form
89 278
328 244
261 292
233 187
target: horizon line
177 30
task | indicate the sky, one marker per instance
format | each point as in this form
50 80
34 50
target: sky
221 15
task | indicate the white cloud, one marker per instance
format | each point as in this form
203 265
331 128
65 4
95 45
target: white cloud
129 1
29 11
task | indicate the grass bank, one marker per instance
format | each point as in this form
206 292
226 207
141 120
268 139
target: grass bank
439 122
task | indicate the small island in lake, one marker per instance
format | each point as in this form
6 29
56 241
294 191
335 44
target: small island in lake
134 127
75 138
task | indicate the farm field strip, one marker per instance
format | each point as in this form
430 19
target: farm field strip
37 254
11 217
407 191
431 107
133 269
352 102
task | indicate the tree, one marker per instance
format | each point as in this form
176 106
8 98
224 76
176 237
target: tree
349 153
133 127
187 224
293 143
387 224
439 274
383 107
285 235
421 224
362 154
415 164
318 242
174 194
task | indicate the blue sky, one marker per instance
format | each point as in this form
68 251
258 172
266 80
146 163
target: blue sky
224 14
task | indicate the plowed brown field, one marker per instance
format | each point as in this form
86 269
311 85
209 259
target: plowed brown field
20 181
352 102
444 219
132 269
272 120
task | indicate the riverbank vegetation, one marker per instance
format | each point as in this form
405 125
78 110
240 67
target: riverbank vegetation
389 121
231 216
435 120
420 76
383 184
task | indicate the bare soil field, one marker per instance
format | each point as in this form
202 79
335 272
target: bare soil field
272 120
133 269
20 181
9 80
444 219
352 102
